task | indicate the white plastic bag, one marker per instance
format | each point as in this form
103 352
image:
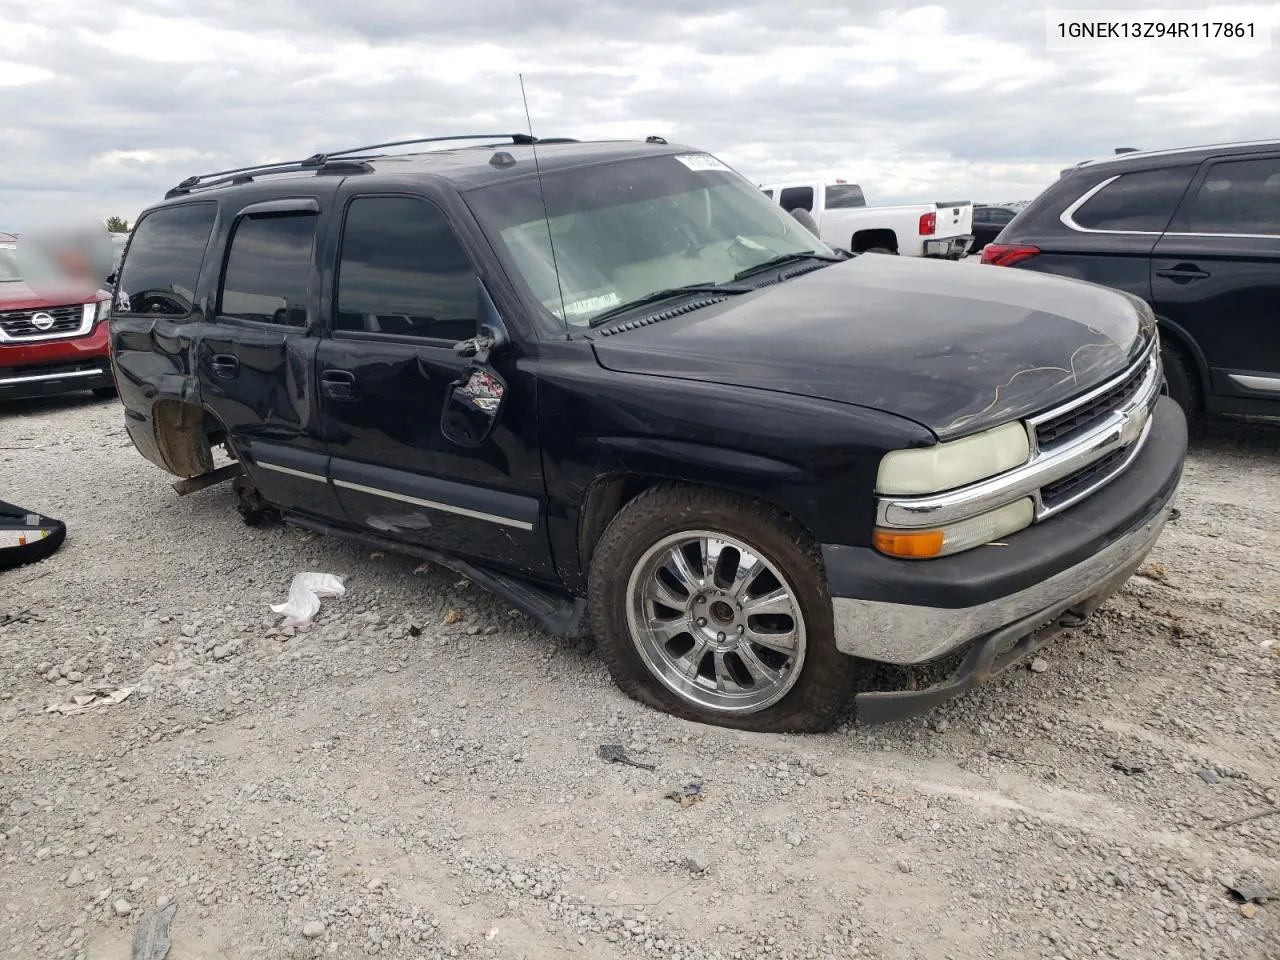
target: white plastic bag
304 597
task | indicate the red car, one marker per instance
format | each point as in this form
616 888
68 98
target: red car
50 343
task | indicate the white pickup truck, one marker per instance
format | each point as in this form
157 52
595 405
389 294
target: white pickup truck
943 229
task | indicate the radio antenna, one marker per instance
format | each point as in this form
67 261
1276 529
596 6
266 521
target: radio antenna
546 216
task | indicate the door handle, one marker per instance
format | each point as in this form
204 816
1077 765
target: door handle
1183 271
338 384
225 366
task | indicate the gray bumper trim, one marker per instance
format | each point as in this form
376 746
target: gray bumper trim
903 633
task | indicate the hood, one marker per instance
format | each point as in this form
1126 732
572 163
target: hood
17 295
955 347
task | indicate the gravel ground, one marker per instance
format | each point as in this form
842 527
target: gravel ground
417 775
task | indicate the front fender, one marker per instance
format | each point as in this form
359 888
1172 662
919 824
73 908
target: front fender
815 460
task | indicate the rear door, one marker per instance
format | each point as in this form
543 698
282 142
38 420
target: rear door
1216 273
256 358
407 292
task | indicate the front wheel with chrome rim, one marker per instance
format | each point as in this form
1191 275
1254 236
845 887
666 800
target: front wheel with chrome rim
714 608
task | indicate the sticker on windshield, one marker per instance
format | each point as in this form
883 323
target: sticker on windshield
8 246
701 162
592 304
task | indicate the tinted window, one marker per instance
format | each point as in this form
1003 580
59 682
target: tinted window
1239 196
160 274
268 269
403 271
841 196
793 197
1136 201
999 216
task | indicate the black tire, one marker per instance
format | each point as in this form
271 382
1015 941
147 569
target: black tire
885 250
825 682
104 393
1182 379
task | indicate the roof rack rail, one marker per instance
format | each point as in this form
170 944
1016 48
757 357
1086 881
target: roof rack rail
326 162
516 138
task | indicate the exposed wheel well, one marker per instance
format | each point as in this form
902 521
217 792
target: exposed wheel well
869 239
186 435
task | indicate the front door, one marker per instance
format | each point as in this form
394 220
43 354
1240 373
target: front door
1216 274
255 358
406 293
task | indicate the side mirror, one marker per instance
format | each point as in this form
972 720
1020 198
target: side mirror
474 402
472 407
492 337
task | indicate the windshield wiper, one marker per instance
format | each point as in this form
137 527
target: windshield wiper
666 293
782 261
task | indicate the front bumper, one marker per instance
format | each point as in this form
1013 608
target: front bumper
56 366
914 612
950 248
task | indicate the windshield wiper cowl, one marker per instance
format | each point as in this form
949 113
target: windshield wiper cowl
669 293
782 261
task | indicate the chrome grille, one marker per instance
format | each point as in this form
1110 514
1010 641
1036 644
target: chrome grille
1077 421
1076 448
1062 491
20 325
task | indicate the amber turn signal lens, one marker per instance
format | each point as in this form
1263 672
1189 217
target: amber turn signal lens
917 544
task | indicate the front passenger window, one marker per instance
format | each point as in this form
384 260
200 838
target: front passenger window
403 271
1238 196
268 269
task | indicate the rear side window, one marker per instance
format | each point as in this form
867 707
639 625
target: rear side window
403 271
1237 196
1142 201
842 196
165 253
797 198
268 269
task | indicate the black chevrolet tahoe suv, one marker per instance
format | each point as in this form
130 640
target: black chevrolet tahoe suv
1195 233
613 383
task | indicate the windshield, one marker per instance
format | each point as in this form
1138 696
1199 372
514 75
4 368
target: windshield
626 229
9 262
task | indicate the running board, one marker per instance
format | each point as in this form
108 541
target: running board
561 616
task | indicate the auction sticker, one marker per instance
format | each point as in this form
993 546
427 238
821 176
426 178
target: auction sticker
592 304
701 162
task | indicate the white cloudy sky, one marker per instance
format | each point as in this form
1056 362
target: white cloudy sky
104 104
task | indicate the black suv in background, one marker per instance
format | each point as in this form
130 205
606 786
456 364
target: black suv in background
988 220
1194 232
615 384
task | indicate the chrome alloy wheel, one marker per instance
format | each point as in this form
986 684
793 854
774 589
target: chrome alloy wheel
717 623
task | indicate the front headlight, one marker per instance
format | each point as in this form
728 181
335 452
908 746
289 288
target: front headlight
956 463
96 312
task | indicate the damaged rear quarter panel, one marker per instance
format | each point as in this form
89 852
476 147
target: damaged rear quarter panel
152 359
